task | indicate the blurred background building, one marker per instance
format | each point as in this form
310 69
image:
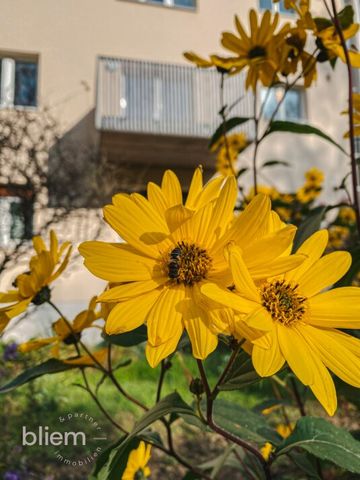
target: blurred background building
113 75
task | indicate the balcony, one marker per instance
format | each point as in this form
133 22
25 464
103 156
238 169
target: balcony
163 99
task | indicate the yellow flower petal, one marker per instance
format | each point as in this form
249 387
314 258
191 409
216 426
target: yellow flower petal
243 282
136 225
335 355
86 360
167 307
154 355
227 298
312 248
279 266
324 272
268 361
260 319
116 262
297 353
195 189
129 290
126 316
338 308
171 188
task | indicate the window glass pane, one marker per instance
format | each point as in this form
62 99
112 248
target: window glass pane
283 9
271 101
12 221
25 83
185 3
155 1
266 4
293 105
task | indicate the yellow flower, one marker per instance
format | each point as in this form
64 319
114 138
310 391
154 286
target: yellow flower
137 468
338 236
171 250
259 51
284 430
44 267
266 450
356 115
64 333
314 176
294 53
347 215
228 152
301 318
330 46
266 190
307 193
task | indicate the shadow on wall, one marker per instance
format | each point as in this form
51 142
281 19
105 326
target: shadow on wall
86 167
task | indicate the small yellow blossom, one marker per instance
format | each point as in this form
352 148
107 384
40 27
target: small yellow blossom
33 286
329 42
137 464
259 50
266 450
338 236
347 215
314 176
64 333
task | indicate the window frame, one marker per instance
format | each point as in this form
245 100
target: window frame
275 8
304 110
21 57
166 4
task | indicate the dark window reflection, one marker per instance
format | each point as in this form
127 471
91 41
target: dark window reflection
185 3
25 83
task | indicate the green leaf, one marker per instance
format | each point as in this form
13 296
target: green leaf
172 403
225 127
272 163
309 226
244 423
348 278
300 128
346 17
322 23
128 339
325 441
49 367
241 374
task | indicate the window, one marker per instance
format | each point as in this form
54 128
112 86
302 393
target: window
275 7
191 4
292 106
18 82
15 214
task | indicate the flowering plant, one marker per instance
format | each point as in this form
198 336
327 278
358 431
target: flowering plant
260 277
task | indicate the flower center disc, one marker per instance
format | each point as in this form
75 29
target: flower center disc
283 302
256 52
188 263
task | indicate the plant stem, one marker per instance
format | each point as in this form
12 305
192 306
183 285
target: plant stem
223 118
161 379
109 373
210 397
354 173
256 142
298 398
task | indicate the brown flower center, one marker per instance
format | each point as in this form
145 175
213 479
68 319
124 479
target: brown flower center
187 263
283 302
256 52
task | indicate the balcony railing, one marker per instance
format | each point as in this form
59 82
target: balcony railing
166 99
